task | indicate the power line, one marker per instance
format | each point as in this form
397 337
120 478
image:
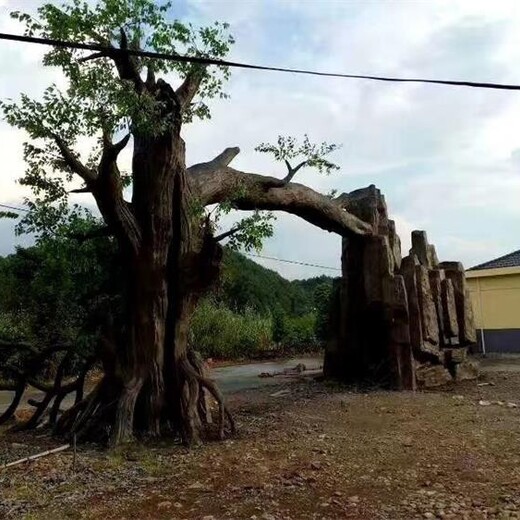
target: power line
7 206
293 262
15 208
225 63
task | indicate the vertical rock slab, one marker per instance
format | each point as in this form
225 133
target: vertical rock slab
436 277
467 331
449 309
425 252
408 266
395 246
433 260
402 362
420 247
369 205
377 266
428 313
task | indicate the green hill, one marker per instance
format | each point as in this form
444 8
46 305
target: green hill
248 285
55 292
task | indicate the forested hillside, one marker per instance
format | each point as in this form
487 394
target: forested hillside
55 291
248 284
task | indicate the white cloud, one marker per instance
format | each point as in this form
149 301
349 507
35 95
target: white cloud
446 158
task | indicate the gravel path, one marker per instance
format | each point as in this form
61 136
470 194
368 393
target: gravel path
306 450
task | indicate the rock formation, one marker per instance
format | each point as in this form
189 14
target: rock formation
400 322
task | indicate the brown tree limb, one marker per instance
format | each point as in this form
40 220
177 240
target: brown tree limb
215 182
150 77
221 160
227 233
106 186
110 153
291 172
108 192
190 86
125 64
19 391
72 161
94 56
85 189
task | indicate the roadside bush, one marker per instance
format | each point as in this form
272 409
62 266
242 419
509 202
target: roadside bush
299 332
217 331
13 327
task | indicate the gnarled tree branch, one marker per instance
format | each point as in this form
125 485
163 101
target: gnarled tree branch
125 64
220 161
108 191
189 87
291 172
73 162
215 181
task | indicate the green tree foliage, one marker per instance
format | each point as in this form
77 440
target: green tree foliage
97 99
219 332
56 291
322 303
308 154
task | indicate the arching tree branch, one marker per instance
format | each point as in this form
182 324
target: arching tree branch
215 182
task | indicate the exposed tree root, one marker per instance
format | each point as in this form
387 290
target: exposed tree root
194 368
111 413
114 412
22 368
19 389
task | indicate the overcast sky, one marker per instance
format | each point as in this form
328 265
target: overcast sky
446 158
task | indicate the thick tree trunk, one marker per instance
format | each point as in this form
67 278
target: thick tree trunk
153 382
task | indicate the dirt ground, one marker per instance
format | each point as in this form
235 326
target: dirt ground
310 451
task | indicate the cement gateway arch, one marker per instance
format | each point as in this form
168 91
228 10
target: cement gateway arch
397 322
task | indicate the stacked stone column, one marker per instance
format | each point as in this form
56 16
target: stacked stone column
401 322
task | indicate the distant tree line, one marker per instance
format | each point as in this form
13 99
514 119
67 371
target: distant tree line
58 291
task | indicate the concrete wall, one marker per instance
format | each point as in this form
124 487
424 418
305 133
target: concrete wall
495 294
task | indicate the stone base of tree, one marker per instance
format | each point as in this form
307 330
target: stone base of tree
399 322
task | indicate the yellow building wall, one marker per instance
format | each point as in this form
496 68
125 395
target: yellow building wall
495 294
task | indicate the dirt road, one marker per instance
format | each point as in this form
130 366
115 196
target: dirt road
305 450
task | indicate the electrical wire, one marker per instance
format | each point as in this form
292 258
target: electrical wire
284 260
7 206
225 63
